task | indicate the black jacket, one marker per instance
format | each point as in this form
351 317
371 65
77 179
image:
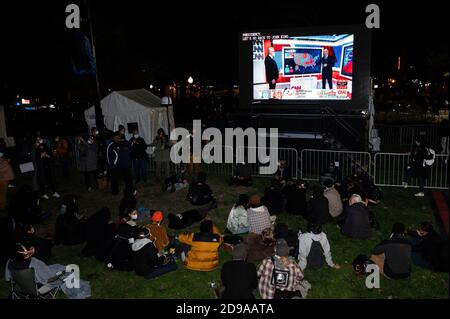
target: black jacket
271 69
121 255
357 224
69 230
295 199
273 200
434 250
99 235
118 155
185 219
137 148
318 209
239 279
146 259
329 61
199 194
398 257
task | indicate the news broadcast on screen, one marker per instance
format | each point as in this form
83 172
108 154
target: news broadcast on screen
312 67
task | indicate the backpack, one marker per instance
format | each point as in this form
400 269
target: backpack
316 258
431 157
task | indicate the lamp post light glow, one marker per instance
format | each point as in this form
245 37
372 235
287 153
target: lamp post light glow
190 80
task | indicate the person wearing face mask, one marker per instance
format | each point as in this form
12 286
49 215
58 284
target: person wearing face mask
139 157
87 160
44 168
121 256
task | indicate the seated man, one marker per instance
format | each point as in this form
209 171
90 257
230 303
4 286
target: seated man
295 194
355 221
283 174
187 218
203 254
334 199
199 192
148 263
314 248
430 250
238 276
273 198
318 208
242 175
393 256
179 181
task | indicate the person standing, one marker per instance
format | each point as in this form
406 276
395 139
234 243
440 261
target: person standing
272 72
139 157
45 168
418 166
119 161
162 154
62 154
327 62
87 160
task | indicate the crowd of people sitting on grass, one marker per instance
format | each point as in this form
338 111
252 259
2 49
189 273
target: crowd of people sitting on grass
266 255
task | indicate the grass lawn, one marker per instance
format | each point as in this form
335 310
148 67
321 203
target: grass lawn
398 205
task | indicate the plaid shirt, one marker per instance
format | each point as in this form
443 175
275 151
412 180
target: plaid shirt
258 219
265 272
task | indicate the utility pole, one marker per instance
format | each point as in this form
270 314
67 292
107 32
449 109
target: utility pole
97 103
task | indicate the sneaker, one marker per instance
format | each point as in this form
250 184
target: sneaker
11 186
405 185
45 196
90 190
419 194
56 195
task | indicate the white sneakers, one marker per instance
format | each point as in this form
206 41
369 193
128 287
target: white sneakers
405 185
419 194
45 196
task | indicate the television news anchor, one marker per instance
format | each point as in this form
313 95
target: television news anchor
327 62
272 72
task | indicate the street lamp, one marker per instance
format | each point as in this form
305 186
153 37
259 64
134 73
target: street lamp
151 86
190 80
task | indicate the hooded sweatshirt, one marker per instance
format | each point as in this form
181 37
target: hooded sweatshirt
145 256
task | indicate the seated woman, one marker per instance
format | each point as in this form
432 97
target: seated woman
100 232
148 263
45 275
237 222
130 199
199 192
187 218
121 256
429 250
203 247
314 249
70 227
393 256
318 208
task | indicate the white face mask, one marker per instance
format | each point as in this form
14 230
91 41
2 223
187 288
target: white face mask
134 217
136 135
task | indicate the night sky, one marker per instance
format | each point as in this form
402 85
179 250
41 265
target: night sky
138 42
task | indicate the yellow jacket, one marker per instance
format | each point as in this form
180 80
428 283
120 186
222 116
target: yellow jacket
203 255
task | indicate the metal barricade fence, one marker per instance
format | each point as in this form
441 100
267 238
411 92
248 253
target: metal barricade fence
290 155
315 162
389 170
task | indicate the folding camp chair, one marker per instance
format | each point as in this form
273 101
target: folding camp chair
24 286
